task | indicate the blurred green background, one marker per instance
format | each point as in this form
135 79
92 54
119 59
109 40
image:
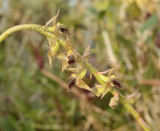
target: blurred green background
33 96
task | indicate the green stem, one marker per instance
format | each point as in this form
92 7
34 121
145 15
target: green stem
128 106
41 29
48 31
131 110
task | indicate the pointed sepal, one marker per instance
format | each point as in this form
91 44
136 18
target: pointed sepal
54 48
69 47
54 19
49 58
98 89
105 91
83 73
133 97
104 78
86 52
64 64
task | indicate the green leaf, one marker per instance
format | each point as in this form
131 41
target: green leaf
8 124
150 23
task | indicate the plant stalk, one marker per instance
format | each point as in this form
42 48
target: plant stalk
49 32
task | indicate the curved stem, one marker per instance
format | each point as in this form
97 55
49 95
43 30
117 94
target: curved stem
41 29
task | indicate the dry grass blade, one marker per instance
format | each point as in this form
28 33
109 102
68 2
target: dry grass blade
151 82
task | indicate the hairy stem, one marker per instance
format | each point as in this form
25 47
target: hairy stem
48 31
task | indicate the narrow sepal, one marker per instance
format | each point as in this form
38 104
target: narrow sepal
83 73
49 58
64 64
98 89
105 91
133 97
86 52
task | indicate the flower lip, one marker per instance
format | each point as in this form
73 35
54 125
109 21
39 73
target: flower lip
71 60
117 84
64 30
72 83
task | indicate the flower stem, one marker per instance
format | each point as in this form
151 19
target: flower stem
124 102
48 31
41 29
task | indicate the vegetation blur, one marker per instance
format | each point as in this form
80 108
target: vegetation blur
35 96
